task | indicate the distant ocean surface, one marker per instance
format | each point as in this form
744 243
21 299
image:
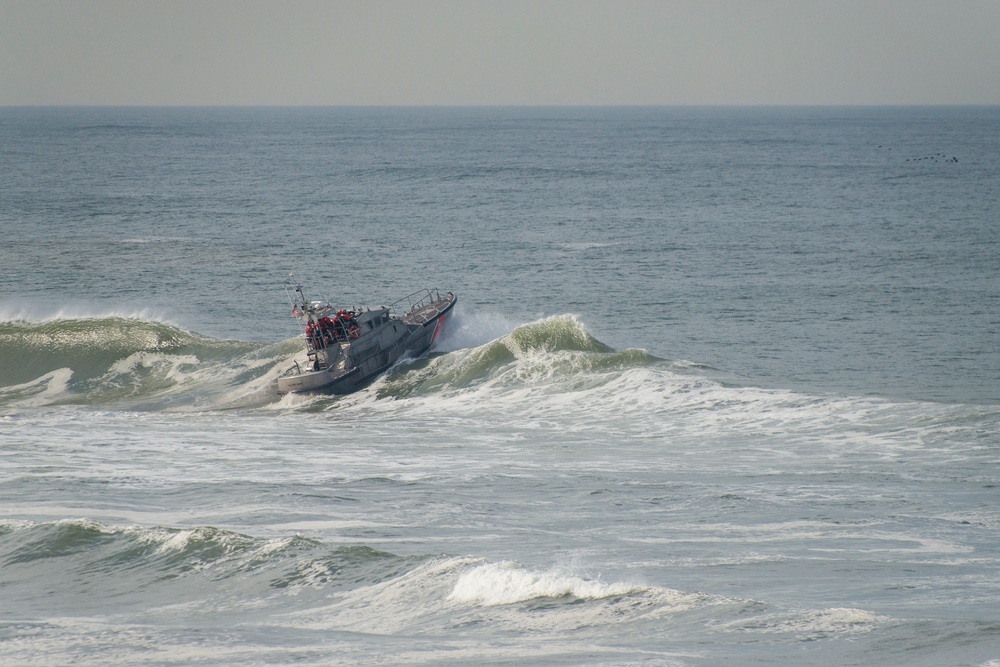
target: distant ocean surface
722 387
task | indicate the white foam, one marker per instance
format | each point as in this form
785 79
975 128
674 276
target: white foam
177 542
451 591
35 312
578 388
42 390
506 583
837 621
145 359
390 606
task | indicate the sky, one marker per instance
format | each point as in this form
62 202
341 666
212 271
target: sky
499 52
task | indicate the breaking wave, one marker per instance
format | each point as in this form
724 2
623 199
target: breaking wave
78 567
129 362
553 350
138 363
540 371
85 564
554 372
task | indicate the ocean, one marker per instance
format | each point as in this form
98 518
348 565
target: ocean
722 387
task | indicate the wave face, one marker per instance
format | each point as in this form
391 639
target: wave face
553 371
554 350
145 364
128 362
549 368
162 580
87 566
550 371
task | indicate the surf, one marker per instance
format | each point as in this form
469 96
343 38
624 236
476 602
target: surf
548 370
161 571
129 362
551 349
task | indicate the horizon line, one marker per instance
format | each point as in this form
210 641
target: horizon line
501 106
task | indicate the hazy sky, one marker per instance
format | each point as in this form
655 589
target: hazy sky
294 52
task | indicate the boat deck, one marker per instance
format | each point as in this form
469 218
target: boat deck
424 313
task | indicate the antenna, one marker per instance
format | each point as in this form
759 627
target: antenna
297 312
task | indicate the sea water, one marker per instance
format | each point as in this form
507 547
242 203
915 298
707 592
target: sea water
722 387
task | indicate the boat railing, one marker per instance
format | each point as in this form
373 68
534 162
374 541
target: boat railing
417 300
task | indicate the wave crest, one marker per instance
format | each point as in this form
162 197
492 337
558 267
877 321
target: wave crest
554 349
506 582
79 566
105 360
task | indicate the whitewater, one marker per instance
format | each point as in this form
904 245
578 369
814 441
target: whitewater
721 388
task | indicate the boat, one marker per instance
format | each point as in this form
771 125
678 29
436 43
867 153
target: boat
347 349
